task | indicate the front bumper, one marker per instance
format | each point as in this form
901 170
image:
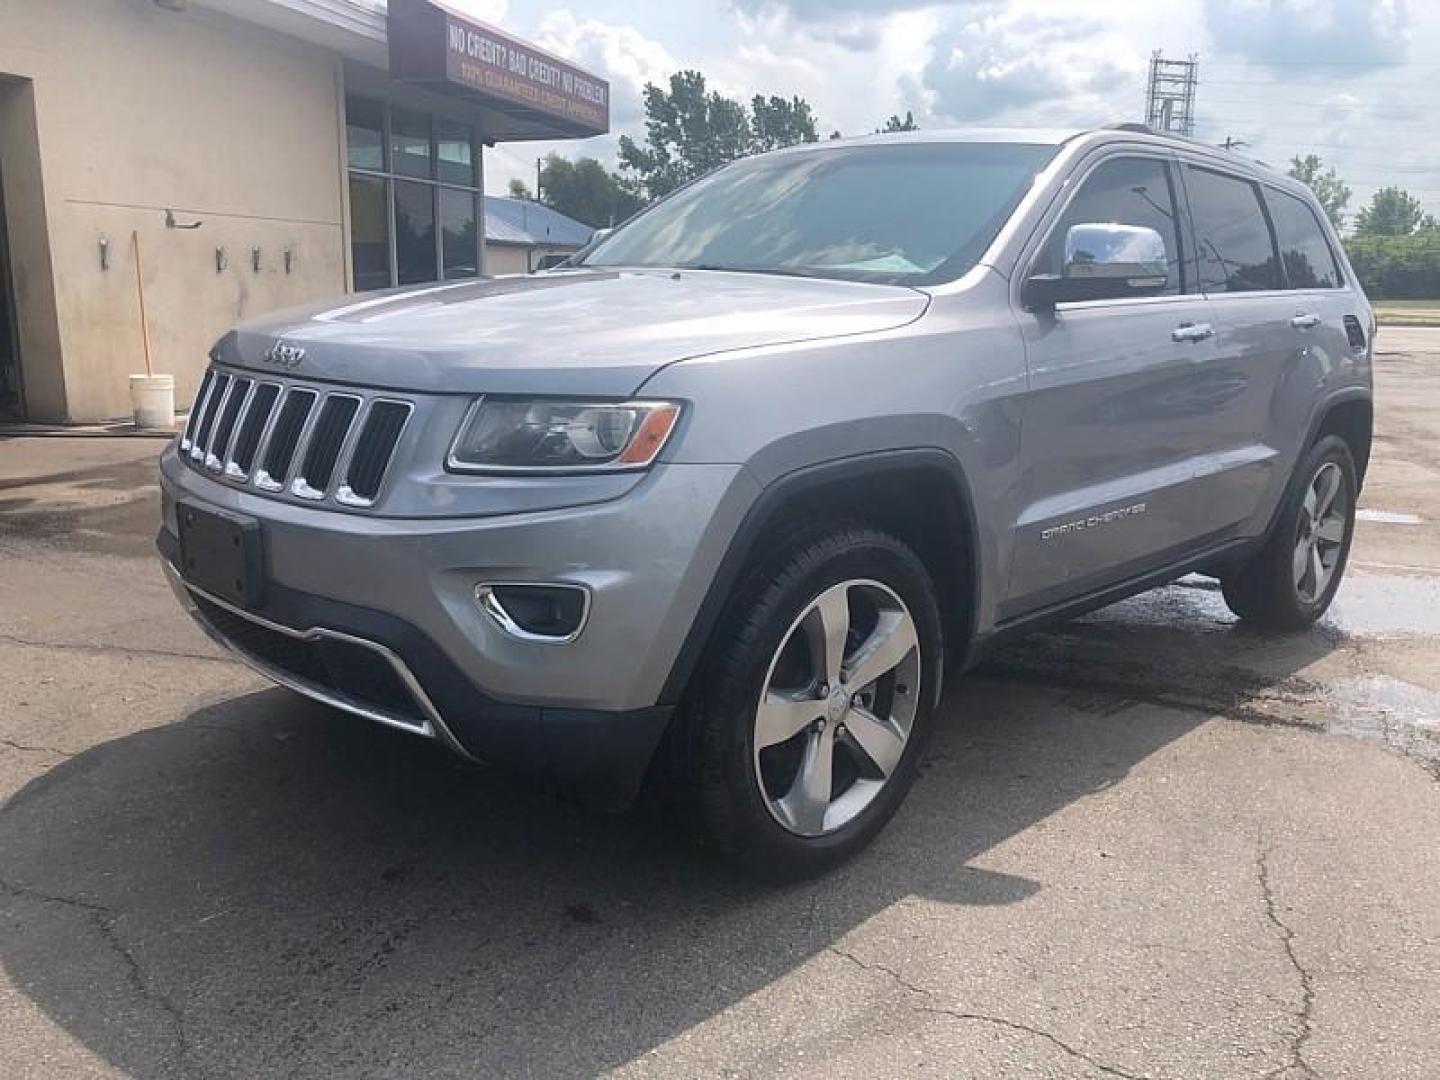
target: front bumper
376 667
348 596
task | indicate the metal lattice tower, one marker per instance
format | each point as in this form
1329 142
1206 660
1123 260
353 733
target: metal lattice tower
1170 94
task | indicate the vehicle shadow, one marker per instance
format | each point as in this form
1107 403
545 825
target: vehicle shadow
266 886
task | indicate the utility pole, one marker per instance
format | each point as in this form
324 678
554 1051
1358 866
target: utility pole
1170 94
537 179
1232 143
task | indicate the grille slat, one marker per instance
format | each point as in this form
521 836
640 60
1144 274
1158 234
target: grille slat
201 442
373 450
225 424
323 451
299 441
289 426
247 441
202 396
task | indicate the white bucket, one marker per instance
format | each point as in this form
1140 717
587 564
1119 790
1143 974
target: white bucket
153 399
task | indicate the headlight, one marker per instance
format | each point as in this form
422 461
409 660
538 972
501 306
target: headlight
502 434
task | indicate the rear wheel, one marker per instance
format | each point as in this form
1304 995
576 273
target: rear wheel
1293 579
812 712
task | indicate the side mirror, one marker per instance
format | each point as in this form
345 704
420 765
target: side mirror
1102 261
578 256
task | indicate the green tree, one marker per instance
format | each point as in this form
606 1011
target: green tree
895 123
1332 193
586 191
518 190
1397 267
1393 211
775 122
690 130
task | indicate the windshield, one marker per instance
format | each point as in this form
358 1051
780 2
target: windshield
907 213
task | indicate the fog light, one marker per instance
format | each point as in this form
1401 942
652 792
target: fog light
546 614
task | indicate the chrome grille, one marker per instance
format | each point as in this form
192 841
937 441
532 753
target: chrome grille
373 451
304 442
219 387
323 449
219 445
202 398
290 426
252 427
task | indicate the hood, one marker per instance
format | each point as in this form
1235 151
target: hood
572 332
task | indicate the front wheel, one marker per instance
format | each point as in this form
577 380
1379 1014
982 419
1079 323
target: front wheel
1292 580
812 713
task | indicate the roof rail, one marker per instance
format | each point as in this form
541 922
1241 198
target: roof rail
1132 125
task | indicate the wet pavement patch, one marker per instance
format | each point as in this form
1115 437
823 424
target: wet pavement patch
1367 605
1181 647
1403 716
1388 517
1386 605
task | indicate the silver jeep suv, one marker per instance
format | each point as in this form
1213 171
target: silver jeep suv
723 499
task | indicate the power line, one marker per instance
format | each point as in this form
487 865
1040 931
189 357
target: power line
1249 64
1296 103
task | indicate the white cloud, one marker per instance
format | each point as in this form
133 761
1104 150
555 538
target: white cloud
1305 35
1352 80
490 11
621 54
1027 65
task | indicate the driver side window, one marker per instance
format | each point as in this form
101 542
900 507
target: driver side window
1123 191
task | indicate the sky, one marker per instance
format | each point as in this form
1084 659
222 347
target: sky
1355 81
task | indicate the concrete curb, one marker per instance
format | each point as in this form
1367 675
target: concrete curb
82 431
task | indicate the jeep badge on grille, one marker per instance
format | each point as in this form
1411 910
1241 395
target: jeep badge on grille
285 356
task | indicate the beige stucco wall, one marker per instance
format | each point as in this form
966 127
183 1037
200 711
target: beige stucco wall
513 259
137 109
505 259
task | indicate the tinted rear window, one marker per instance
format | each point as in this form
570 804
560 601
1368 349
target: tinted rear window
1233 237
1307 256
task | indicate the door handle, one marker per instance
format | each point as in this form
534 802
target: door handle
1305 321
1192 332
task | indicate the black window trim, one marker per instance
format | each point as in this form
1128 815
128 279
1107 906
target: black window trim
1340 279
1045 228
387 173
1256 186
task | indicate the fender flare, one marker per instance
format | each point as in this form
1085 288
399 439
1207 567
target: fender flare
1327 405
772 501
1330 403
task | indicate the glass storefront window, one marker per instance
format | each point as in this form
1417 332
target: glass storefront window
415 210
369 232
459 240
453 154
365 133
410 142
414 233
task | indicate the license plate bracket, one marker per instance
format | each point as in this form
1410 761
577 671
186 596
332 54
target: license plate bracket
221 554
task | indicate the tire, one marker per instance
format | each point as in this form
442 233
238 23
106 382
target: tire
757 787
1273 590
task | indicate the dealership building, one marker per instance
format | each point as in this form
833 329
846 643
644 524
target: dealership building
170 167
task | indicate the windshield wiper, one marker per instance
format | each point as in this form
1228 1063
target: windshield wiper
781 271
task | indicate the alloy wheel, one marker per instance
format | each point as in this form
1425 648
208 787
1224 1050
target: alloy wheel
837 707
1320 532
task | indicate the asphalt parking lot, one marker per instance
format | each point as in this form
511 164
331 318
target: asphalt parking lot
1147 844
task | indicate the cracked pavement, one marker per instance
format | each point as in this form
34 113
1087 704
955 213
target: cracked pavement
1146 844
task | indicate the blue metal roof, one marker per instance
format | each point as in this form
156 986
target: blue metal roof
521 221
